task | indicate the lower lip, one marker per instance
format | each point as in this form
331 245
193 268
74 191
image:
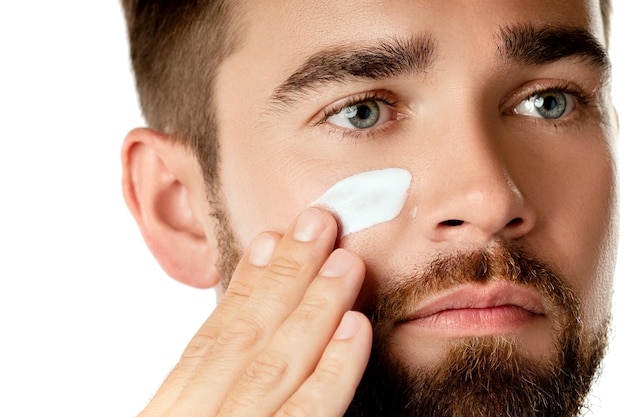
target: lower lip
476 321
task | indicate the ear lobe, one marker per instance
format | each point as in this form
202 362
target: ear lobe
164 191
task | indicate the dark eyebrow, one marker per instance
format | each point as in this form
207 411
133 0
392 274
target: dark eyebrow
384 59
526 44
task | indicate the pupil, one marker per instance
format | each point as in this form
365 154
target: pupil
549 103
363 115
363 112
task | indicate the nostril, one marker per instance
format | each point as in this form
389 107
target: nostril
515 221
452 222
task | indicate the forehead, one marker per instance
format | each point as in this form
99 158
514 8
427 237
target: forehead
334 20
278 35
298 26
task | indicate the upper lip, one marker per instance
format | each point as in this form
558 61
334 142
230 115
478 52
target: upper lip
480 296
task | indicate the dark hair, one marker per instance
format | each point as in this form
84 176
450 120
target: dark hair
176 47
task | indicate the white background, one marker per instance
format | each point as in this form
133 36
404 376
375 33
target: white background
89 325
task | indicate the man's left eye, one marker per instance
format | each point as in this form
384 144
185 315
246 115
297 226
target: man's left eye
546 105
363 115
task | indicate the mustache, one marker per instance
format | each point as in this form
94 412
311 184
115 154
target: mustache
498 262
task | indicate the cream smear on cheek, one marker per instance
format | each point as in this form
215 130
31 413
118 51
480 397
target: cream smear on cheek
368 198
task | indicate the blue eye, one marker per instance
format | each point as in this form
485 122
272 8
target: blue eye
362 115
546 105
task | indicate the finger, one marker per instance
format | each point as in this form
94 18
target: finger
180 377
331 387
295 350
266 287
266 282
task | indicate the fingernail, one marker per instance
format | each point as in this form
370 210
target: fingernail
261 250
349 326
309 225
338 263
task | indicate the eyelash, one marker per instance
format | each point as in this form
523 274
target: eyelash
382 96
566 88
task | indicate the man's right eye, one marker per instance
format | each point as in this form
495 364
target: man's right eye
362 112
362 115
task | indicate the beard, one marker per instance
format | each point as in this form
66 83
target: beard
477 376
485 376
481 376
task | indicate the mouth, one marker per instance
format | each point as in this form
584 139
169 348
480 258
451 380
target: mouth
478 309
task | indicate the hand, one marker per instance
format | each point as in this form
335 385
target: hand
281 342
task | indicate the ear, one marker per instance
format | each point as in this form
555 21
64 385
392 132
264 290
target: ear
164 190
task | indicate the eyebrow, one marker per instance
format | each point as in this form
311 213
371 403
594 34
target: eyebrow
386 59
526 44
523 44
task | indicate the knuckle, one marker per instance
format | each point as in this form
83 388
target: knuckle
298 408
242 335
238 290
315 303
236 403
198 346
330 369
310 309
284 267
267 370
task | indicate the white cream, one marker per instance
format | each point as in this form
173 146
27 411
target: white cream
366 199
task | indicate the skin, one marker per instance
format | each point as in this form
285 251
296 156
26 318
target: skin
272 346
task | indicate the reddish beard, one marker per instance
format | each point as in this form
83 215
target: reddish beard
481 376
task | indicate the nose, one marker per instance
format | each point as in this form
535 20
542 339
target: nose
472 193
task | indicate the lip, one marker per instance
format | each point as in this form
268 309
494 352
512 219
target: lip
479 307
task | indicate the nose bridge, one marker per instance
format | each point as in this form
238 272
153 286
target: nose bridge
471 193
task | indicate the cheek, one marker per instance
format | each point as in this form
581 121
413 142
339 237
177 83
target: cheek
260 197
596 255
580 233
265 189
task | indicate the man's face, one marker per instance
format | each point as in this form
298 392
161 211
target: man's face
500 112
